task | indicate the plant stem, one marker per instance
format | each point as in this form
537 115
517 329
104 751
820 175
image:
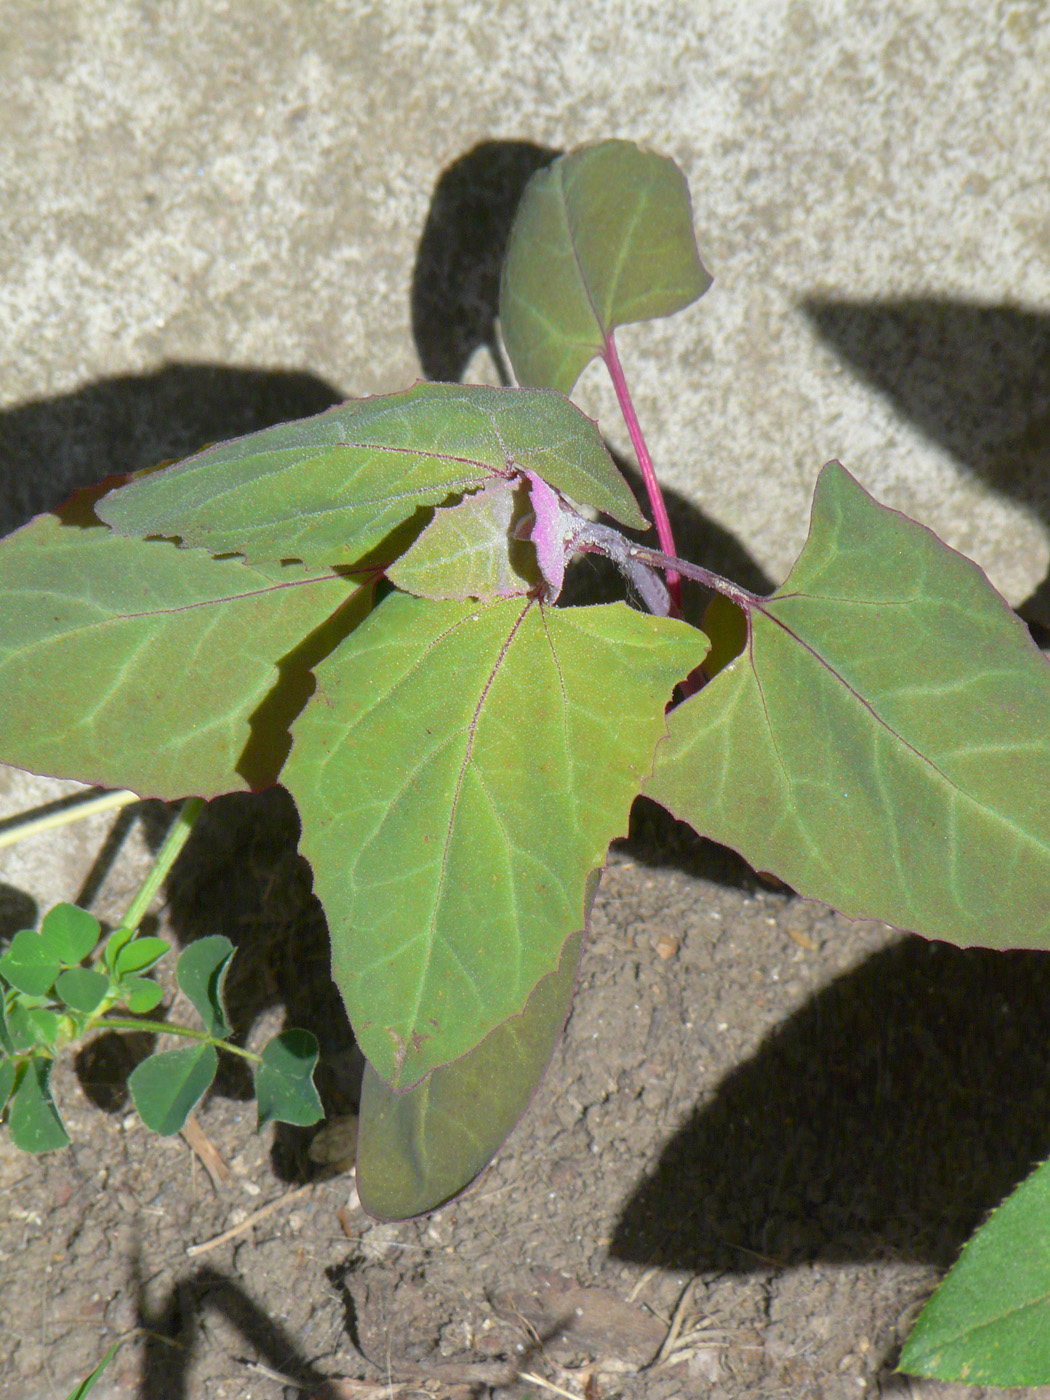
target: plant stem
173 844
128 1023
741 596
90 805
656 497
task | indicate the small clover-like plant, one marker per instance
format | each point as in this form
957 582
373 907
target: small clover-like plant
371 603
50 1000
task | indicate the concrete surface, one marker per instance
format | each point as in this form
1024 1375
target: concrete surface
210 216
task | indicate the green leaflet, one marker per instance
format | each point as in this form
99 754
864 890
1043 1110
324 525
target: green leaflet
417 1149
328 490
883 743
469 550
603 237
460 772
135 664
989 1322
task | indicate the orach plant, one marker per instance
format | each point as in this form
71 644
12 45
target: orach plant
364 606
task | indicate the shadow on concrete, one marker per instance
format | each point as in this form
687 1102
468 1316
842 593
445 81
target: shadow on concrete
455 282
51 447
882 1120
975 379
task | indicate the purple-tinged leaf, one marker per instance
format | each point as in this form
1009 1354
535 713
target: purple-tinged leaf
549 533
418 1149
460 772
330 489
602 237
883 741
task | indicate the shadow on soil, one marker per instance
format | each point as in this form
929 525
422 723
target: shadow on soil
884 1119
172 1331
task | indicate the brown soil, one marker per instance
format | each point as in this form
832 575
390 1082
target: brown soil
765 1135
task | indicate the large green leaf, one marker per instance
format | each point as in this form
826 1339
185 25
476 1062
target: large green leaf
459 773
139 665
989 1322
883 742
602 237
329 489
417 1149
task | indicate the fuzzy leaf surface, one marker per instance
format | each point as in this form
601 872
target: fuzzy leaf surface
418 1149
989 1322
329 489
135 664
460 771
602 237
883 742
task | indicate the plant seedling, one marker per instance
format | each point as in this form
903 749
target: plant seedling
386 577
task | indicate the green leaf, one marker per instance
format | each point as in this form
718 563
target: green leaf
28 965
69 933
6 1043
33 1118
83 989
883 743
135 664
46 1025
469 550
989 1322
140 994
167 1087
459 773
201 973
284 1085
329 489
87 1385
138 954
117 940
602 237
7 1080
22 1033
418 1149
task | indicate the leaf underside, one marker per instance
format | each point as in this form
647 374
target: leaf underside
883 742
328 490
459 773
602 237
134 664
418 1149
989 1322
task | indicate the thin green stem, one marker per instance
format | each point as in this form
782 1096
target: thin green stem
90 805
128 1023
166 856
645 463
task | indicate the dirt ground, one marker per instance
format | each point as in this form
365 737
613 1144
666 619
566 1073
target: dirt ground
766 1133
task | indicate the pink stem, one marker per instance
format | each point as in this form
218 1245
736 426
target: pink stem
645 463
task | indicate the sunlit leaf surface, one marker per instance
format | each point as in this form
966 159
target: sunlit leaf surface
329 489
883 742
459 774
603 237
